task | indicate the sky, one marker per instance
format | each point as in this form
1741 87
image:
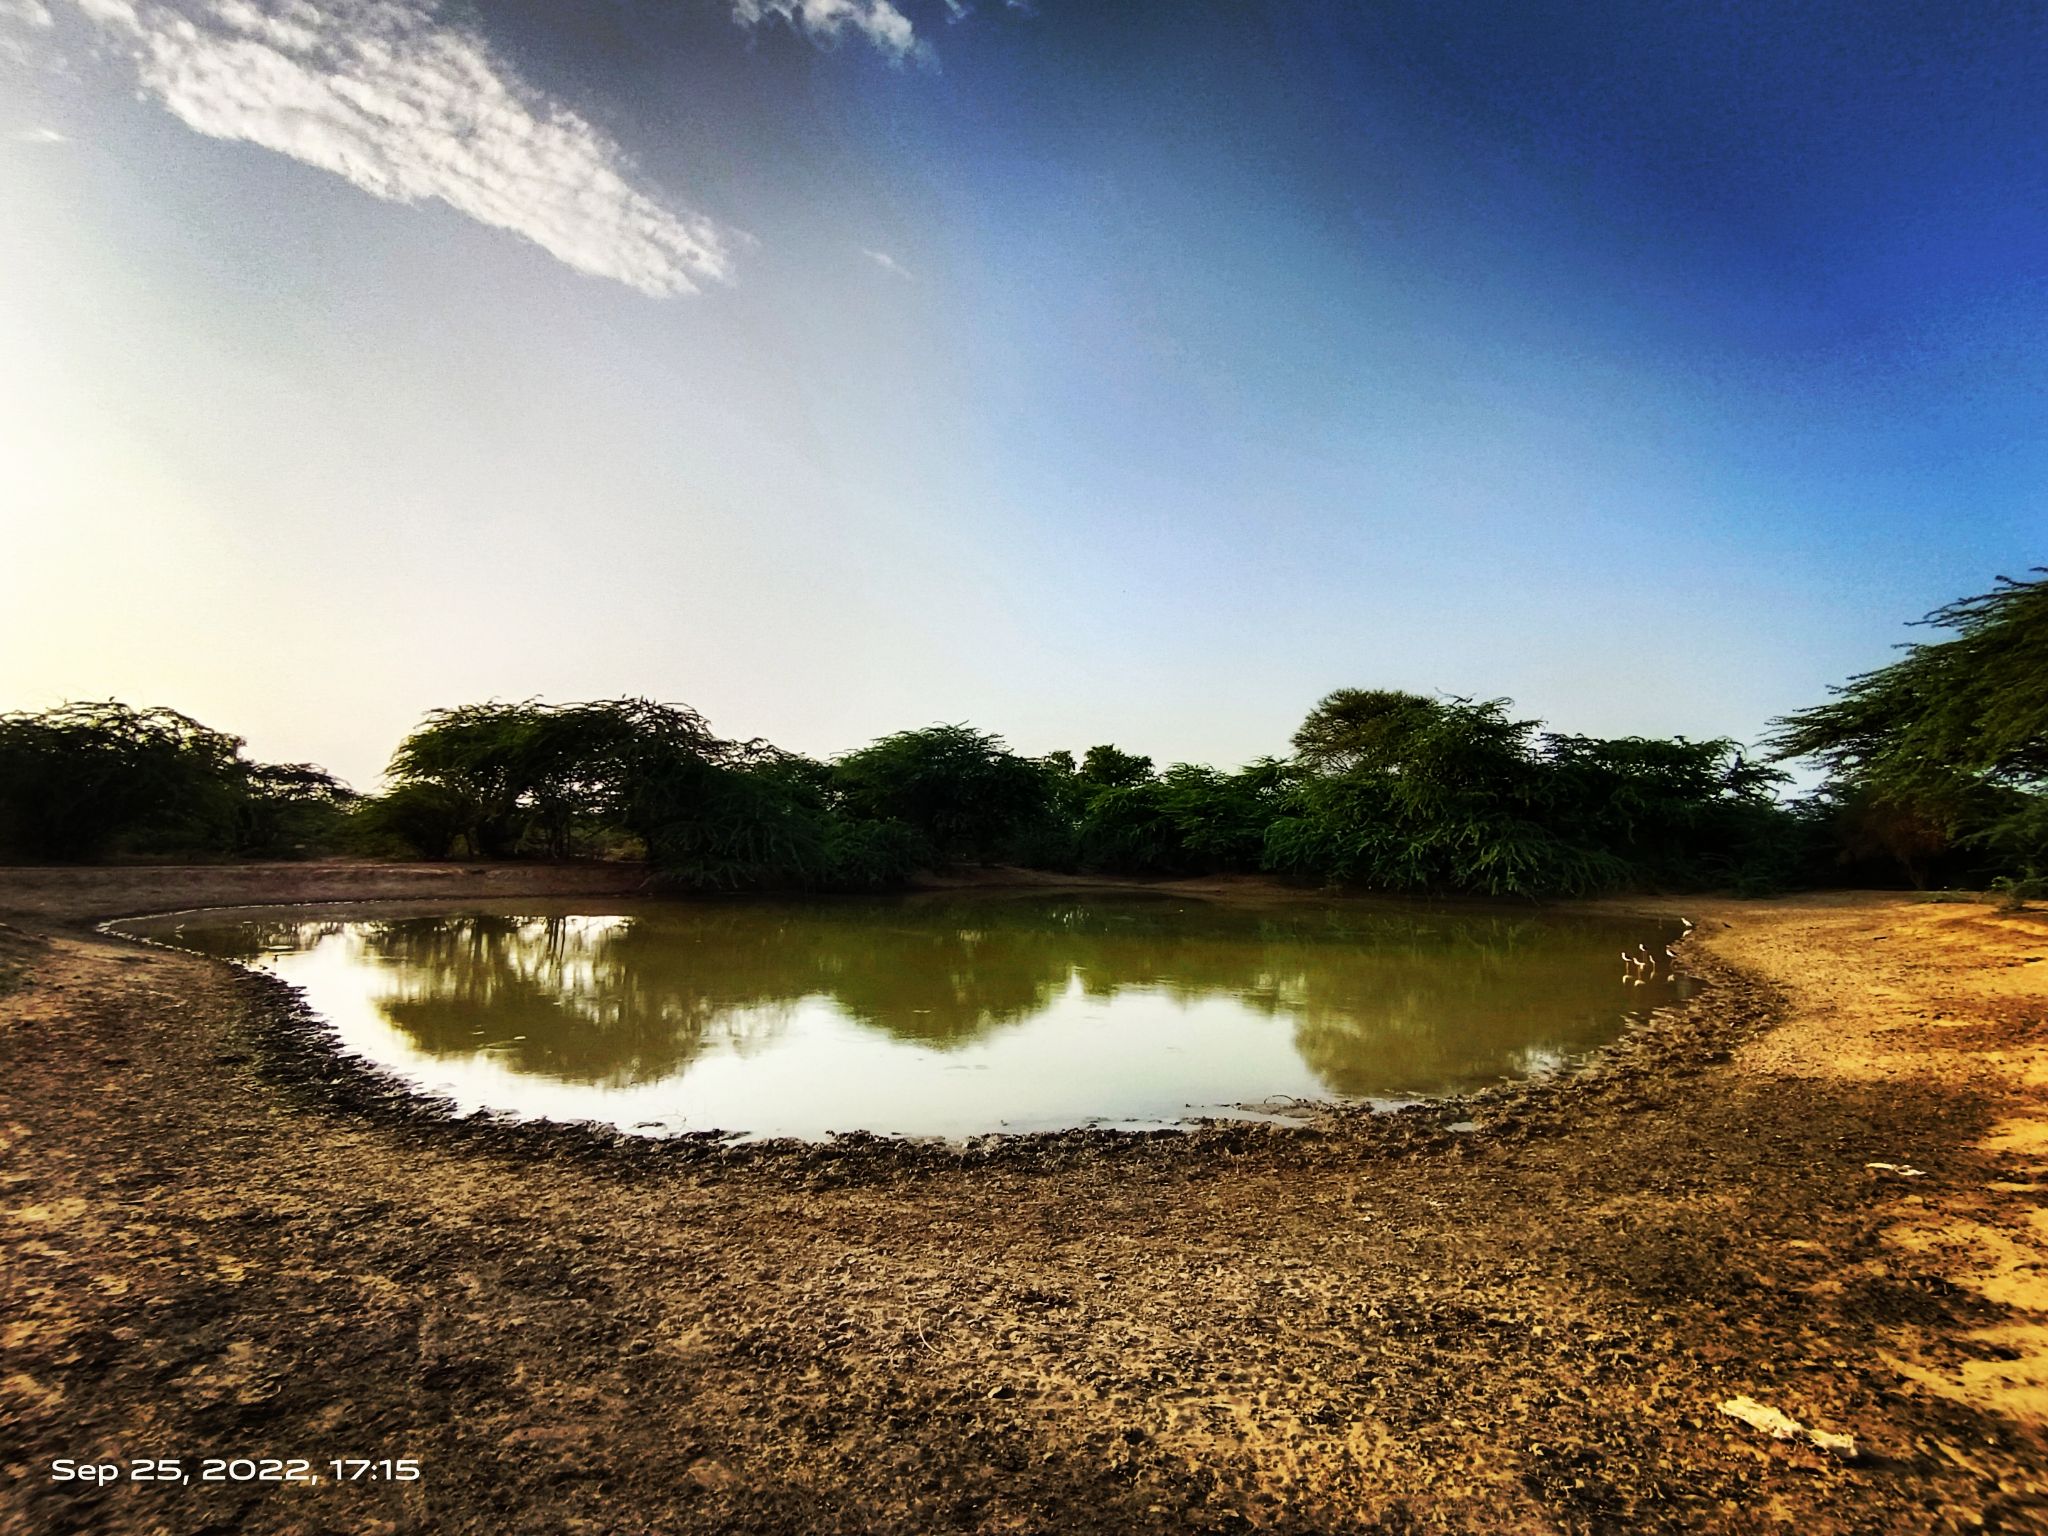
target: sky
1086 372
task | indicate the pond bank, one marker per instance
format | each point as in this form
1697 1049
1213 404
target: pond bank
220 1245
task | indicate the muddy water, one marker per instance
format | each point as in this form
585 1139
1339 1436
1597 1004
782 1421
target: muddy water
943 1016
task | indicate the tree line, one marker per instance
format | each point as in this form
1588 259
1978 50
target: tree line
1936 769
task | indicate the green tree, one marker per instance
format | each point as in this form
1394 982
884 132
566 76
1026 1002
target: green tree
965 795
1404 793
1365 728
1400 792
1676 812
86 780
478 756
710 813
285 810
528 775
424 820
80 778
1107 767
1188 820
633 763
1947 748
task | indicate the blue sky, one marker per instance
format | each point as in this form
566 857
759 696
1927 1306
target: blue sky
1131 373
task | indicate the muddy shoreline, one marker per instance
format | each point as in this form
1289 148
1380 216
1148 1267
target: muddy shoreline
224 1240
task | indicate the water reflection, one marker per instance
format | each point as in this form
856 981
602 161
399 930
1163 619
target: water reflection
1093 1006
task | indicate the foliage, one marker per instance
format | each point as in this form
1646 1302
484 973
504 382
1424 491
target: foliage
499 779
476 758
85 780
1975 705
2014 892
1363 830
523 777
740 830
1189 820
424 820
2015 837
1404 793
288 809
1356 729
1940 760
1674 812
962 792
1387 791
1108 767
768 824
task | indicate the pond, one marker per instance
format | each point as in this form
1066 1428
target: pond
944 1015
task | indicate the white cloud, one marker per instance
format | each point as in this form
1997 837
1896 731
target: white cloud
25 28
828 20
886 262
37 136
960 10
411 107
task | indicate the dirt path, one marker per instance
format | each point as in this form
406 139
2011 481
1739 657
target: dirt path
219 1246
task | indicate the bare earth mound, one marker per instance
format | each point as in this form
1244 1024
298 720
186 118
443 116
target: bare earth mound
1818 1189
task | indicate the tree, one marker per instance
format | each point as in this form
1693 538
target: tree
1188 820
710 813
1358 728
769 819
962 791
631 762
1949 740
79 779
532 773
1677 812
1109 768
85 780
479 756
421 819
286 809
1974 705
1400 792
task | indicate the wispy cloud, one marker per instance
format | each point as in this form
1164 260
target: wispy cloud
24 25
829 20
37 136
887 263
410 106
960 10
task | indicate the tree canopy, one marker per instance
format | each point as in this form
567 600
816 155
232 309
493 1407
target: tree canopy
1945 749
963 792
509 775
1974 705
1386 791
1398 791
85 780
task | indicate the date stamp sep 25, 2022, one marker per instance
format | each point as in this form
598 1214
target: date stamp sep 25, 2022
237 1469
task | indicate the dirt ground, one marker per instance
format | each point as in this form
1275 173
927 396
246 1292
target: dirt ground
1819 1187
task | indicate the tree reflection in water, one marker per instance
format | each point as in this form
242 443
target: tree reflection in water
1381 999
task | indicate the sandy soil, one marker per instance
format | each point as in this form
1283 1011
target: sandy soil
1819 1188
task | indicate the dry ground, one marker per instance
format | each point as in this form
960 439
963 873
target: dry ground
219 1242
